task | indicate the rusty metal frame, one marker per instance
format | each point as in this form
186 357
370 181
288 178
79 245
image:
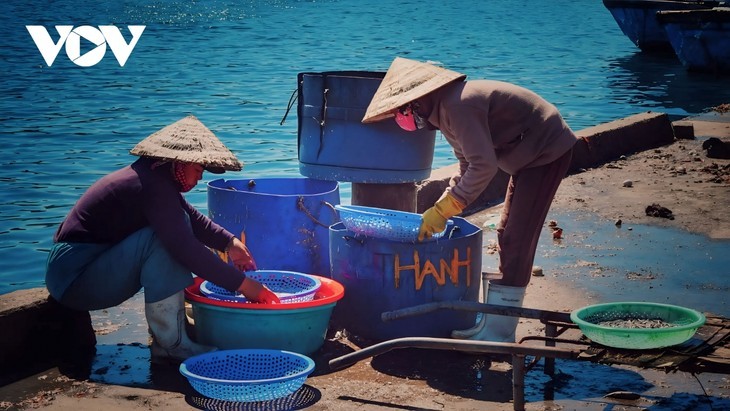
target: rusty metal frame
556 323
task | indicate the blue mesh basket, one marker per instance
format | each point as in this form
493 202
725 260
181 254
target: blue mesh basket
247 375
289 286
383 223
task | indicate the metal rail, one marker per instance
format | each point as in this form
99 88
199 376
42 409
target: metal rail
542 315
551 319
486 347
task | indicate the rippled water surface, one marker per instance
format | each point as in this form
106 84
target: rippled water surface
234 65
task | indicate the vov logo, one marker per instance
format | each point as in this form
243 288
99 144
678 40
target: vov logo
71 37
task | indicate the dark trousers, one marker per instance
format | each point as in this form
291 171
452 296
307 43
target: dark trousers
526 204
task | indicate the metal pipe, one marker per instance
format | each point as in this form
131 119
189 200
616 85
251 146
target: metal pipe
518 382
450 344
542 315
556 340
551 331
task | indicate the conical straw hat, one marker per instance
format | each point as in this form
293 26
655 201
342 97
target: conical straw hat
190 141
405 81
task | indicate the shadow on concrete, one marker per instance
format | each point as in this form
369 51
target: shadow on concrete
304 397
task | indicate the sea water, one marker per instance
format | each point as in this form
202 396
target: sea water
234 65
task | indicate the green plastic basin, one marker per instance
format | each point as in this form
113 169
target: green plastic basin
683 323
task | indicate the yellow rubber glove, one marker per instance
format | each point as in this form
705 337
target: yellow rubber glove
434 219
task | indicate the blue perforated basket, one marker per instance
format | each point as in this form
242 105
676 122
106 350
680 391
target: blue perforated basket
248 374
383 223
289 286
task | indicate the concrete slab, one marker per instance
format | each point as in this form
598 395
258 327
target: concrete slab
609 141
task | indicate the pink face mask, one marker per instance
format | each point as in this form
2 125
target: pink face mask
408 119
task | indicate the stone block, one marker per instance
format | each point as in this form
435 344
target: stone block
684 130
20 311
38 329
608 141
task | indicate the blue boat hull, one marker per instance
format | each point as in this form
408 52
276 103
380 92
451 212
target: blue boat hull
637 20
700 38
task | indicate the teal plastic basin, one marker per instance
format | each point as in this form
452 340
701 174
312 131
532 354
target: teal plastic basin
301 330
299 327
684 323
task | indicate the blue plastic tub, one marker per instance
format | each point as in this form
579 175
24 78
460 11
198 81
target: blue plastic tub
384 275
285 220
334 144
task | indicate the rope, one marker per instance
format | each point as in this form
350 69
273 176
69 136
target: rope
322 121
302 207
292 99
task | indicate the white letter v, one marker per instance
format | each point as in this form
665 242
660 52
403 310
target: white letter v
116 42
49 50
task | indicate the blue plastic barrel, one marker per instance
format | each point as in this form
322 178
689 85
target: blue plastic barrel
333 143
383 275
284 220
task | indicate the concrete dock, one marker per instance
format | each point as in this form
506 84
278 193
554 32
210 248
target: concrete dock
119 376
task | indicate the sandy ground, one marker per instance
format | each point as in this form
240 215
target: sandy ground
679 177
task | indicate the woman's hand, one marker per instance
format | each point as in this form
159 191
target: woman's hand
257 292
241 257
250 288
